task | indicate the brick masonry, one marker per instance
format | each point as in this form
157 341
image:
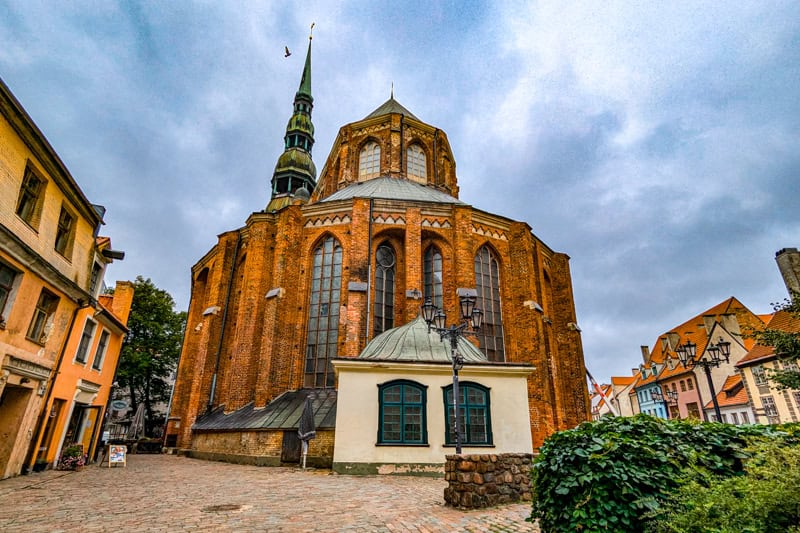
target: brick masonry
478 481
256 345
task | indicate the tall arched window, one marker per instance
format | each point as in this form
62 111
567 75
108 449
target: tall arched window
487 282
385 262
432 270
415 161
323 313
475 420
402 413
369 161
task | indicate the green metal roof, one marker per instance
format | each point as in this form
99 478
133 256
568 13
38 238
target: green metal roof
413 342
391 106
392 189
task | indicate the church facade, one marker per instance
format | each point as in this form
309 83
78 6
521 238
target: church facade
282 306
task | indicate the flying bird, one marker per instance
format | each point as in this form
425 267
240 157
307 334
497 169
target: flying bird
286 53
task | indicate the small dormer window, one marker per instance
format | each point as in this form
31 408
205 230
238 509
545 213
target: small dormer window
369 161
416 163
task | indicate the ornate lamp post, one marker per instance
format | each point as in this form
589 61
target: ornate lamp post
712 357
436 319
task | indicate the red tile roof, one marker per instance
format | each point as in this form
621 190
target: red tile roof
732 393
780 320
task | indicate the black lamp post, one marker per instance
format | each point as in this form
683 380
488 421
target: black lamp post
712 357
436 319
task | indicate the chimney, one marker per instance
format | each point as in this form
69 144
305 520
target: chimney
788 260
708 322
730 323
645 353
123 298
673 339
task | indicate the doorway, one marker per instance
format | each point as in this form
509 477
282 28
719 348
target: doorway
290 451
13 404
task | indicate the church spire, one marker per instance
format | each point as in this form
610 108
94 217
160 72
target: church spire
295 174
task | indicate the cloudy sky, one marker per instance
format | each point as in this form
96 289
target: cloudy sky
656 143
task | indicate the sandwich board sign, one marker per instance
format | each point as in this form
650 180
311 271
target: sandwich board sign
117 454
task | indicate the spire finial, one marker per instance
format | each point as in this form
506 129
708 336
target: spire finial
311 33
391 95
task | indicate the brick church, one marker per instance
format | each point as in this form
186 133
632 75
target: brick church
284 305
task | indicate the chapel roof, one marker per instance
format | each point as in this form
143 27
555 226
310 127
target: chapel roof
391 106
392 189
413 342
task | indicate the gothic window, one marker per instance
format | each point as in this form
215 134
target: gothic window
402 413
487 283
415 161
433 275
369 161
475 421
323 313
385 262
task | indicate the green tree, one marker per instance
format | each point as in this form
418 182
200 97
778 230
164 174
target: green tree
785 338
151 349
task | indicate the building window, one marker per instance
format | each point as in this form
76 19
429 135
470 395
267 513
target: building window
369 161
433 275
64 233
770 409
487 283
674 387
29 203
86 341
476 426
100 353
402 413
796 398
323 314
42 317
97 270
7 277
735 419
759 376
693 410
690 383
683 386
385 262
415 158
745 418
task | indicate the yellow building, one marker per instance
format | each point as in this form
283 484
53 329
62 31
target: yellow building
50 269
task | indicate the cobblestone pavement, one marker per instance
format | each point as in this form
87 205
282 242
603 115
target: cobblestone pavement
170 493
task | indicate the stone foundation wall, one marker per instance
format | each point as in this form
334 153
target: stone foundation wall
477 481
262 448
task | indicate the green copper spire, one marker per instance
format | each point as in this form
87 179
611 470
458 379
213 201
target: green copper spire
295 174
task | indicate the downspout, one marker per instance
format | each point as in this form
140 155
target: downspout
402 123
435 166
224 323
369 271
82 304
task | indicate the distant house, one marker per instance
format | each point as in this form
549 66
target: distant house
733 402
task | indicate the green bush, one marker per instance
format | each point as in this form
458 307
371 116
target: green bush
610 474
765 500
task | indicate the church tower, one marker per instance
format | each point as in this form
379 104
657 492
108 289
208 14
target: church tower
295 174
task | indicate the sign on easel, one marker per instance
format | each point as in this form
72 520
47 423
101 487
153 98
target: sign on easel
117 454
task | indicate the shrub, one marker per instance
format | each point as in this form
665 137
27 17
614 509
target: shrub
765 500
71 458
607 475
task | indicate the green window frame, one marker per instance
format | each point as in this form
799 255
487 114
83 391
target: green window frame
402 417
476 429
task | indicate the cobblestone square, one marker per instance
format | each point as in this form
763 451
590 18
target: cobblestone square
170 493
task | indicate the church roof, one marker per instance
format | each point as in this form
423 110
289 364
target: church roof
391 106
282 413
413 342
392 189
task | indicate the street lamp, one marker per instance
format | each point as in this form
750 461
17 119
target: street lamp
713 357
436 318
668 397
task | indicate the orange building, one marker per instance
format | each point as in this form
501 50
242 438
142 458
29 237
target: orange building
331 263
51 270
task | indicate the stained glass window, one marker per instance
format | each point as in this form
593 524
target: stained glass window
433 275
487 283
369 161
385 262
323 314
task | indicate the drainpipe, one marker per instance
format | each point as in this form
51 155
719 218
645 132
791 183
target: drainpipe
402 131
435 166
43 413
224 322
369 271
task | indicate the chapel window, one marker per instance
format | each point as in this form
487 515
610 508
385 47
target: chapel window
402 418
415 160
323 313
369 161
385 262
487 283
433 275
475 421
